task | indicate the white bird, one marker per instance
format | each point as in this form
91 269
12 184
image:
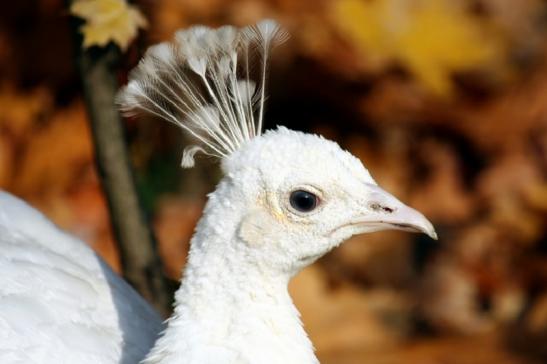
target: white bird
286 199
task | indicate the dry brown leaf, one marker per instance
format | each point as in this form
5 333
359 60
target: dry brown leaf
55 154
21 110
453 203
343 320
7 153
174 225
449 298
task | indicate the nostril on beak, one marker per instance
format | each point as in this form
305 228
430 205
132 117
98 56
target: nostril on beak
390 213
374 206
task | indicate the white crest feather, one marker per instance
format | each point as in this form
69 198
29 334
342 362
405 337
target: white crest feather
205 82
188 156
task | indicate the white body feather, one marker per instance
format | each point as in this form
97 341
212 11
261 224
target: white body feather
59 302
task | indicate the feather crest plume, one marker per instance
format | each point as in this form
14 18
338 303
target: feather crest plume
209 82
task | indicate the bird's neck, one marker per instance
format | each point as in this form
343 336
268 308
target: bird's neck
230 306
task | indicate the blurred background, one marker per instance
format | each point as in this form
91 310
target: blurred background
445 102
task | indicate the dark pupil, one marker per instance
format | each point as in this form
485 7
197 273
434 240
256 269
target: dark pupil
303 201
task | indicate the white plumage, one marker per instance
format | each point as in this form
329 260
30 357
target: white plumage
59 302
286 199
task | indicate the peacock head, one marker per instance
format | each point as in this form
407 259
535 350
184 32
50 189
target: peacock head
301 195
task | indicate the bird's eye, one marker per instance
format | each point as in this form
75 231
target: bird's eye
303 201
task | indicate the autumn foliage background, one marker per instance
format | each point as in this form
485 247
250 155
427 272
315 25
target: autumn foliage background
446 104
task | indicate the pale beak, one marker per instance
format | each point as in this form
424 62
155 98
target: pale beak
384 211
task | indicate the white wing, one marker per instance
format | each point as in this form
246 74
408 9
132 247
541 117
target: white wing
59 302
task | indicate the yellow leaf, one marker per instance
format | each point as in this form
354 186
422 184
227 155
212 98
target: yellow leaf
108 20
432 38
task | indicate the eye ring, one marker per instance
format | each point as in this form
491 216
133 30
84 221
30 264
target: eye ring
303 201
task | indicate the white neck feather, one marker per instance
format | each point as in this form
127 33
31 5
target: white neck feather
230 309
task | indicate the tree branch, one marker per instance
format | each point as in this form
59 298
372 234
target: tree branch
141 264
